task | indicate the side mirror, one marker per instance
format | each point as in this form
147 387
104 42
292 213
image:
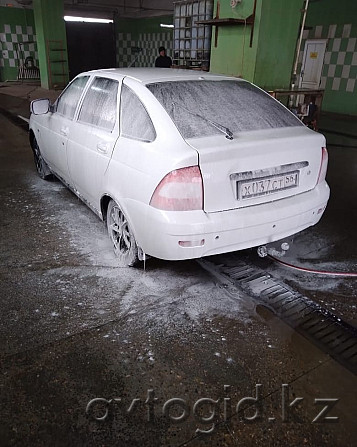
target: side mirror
40 106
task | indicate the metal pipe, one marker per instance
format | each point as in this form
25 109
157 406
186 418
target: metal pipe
293 78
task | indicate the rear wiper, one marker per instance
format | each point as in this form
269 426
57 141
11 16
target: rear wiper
220 127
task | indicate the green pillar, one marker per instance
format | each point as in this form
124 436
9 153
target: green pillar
234 46
278 33
51 43
261 48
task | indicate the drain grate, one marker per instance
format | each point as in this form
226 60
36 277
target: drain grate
320 326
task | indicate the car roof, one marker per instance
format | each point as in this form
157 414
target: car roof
150 75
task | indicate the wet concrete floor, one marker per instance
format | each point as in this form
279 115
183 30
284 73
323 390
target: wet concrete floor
91 354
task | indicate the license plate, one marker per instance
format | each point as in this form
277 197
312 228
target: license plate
267 185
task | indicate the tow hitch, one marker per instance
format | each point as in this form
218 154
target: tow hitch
265 250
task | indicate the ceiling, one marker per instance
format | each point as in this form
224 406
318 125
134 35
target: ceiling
107 8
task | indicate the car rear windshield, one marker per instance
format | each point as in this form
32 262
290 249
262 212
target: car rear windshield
195 106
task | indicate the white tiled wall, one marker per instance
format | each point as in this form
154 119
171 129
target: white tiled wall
339 71
143 51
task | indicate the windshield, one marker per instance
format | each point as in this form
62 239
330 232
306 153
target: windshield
236 105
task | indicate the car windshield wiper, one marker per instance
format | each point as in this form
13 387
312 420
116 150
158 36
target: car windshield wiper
228 133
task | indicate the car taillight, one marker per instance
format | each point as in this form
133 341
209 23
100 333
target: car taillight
323 166
180 190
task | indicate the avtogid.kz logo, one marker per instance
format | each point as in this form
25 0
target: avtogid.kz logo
207 412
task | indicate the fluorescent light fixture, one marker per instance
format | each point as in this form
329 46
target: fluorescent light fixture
86 19
163 25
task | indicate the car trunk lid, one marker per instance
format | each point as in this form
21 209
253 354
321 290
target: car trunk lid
257 167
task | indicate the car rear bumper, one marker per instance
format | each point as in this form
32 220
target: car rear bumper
161 233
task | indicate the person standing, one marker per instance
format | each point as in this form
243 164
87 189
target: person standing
163 61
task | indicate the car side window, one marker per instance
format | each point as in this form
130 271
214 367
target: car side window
67 102
99 107
135 120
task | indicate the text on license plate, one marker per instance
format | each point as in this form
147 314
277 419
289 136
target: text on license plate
267 185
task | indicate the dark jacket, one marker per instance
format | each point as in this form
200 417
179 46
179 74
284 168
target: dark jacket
163 62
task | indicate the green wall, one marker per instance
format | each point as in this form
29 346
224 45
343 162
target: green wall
16 26
268 62
44 23
233 54
52 43
279 28
336 22
330 12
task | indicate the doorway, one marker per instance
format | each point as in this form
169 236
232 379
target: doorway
90 46
312 62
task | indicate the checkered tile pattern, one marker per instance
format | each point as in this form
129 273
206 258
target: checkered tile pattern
16 43
144 50
339 71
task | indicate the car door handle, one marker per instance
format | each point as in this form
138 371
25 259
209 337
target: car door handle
103 147
64 131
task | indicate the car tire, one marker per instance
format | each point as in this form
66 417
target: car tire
121 235
41 166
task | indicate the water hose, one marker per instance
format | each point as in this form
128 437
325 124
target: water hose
308 270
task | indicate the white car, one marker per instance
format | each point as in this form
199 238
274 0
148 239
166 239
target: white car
181 164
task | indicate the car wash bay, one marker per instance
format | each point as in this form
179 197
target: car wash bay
75 327
86 347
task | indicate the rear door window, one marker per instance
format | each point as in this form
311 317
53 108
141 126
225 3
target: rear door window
99 107
68 101
134 118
